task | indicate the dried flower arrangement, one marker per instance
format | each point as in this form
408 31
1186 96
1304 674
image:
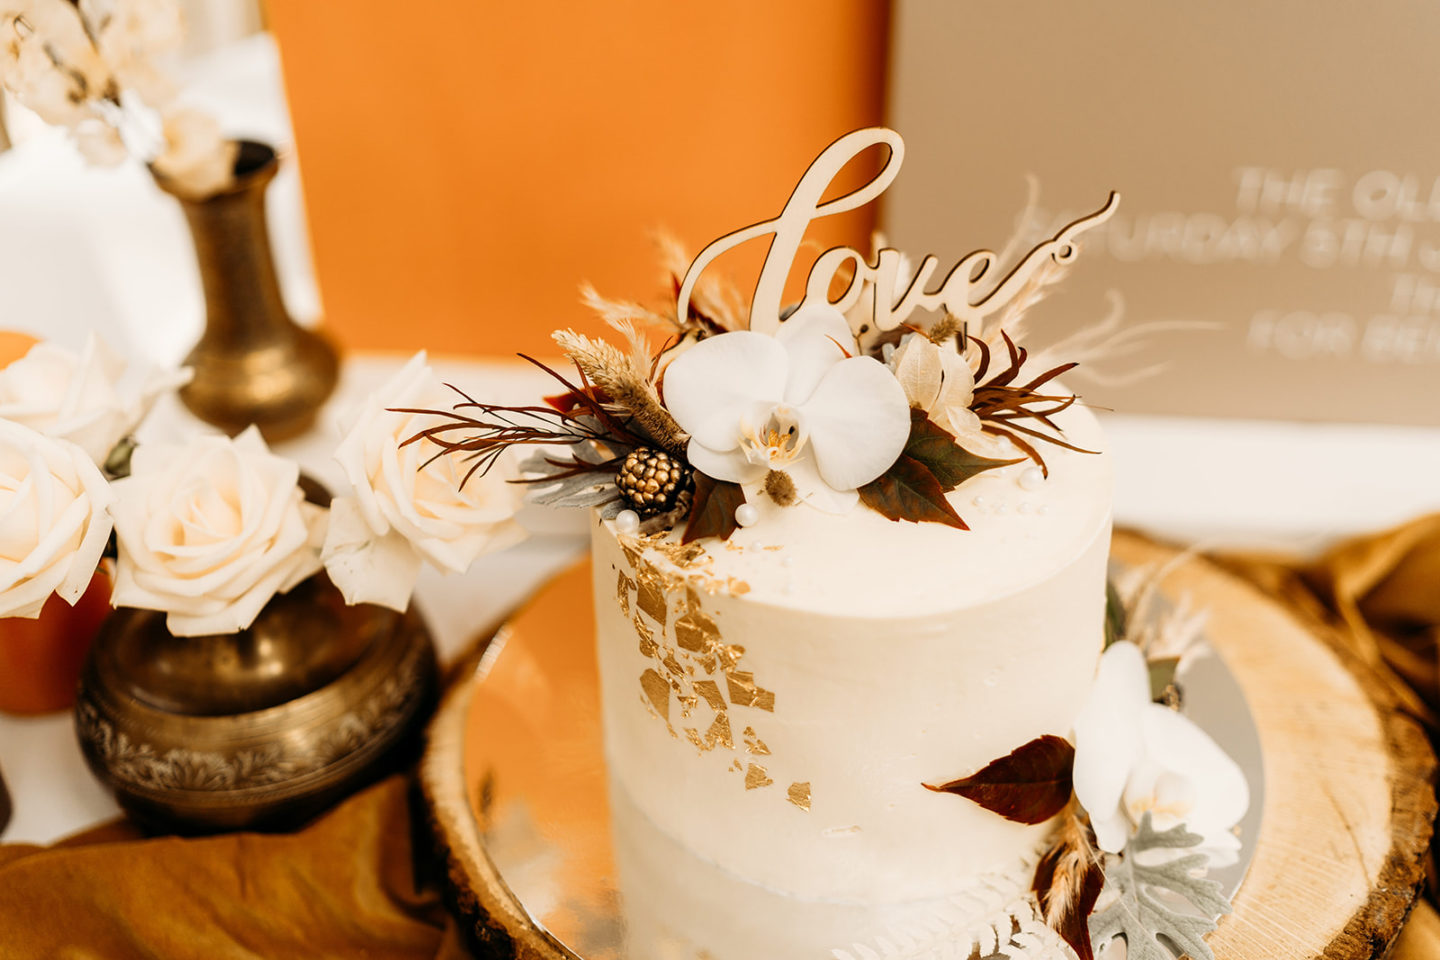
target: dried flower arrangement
1139 777
684 434
95 67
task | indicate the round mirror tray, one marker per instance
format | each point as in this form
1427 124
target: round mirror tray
545 860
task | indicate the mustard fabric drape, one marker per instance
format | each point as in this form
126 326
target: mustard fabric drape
345 886
342 887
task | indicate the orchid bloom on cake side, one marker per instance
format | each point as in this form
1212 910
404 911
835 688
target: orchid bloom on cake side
799 403
1134 757
408 505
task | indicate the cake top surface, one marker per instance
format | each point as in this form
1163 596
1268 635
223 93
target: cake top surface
1023 529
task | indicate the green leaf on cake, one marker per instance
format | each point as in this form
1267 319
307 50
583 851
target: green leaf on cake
1115 615
909 491
712 511
950 463
1029 785
1149 894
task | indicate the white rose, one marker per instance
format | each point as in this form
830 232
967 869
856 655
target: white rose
53 525
79 397
408 504
210 530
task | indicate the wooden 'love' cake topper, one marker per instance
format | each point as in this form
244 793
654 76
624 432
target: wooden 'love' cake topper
961 294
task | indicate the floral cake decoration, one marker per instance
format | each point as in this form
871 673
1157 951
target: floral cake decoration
882 389
836 401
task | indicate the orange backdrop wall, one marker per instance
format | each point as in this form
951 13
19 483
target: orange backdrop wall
467 164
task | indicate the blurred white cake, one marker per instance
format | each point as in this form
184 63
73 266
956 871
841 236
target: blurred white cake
775 703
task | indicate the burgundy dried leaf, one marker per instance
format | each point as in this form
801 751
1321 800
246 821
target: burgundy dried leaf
909 491
936 448
1068 880
1030 785
712 510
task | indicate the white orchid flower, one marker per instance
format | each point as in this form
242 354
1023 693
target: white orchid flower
797 402
1133 756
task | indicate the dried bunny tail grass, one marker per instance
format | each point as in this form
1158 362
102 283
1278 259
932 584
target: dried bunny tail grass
626 384
640 359
1108 339
616 311
947 328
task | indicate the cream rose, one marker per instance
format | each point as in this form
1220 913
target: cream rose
53 524
80 397
210 530
408 504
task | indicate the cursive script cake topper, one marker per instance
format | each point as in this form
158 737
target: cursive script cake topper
965 293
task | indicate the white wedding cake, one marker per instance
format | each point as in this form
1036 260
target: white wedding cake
776 702
862 681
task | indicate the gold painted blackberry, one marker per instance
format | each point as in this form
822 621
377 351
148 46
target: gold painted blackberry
651 481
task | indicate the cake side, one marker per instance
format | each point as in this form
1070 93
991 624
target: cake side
778 732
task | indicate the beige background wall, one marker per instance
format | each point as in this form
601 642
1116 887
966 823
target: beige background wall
1280 168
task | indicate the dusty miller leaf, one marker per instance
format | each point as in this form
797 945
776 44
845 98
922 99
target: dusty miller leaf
1141 916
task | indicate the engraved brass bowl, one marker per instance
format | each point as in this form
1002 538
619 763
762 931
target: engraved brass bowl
260 729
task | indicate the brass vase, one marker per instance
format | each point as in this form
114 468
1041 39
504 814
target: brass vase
260 729
253 363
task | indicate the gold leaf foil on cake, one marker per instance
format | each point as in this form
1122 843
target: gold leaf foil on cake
696 739
710 690
696 632
648 646
755 777
799 794
657 689
764 700
650 597
753 743
623 586
729 654
672 666
719 733
742 687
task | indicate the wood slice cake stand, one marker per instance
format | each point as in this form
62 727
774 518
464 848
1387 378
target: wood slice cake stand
1348 801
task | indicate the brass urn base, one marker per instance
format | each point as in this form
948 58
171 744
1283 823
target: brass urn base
261 729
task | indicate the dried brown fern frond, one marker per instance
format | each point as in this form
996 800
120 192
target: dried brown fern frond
1004 406
625 381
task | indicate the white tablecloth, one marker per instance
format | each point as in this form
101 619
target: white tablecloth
83 250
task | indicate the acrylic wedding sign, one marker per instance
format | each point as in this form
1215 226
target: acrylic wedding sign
966 293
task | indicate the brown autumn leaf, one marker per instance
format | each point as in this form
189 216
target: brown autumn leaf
909 491
1068 880
937 449
712 511
1029 785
